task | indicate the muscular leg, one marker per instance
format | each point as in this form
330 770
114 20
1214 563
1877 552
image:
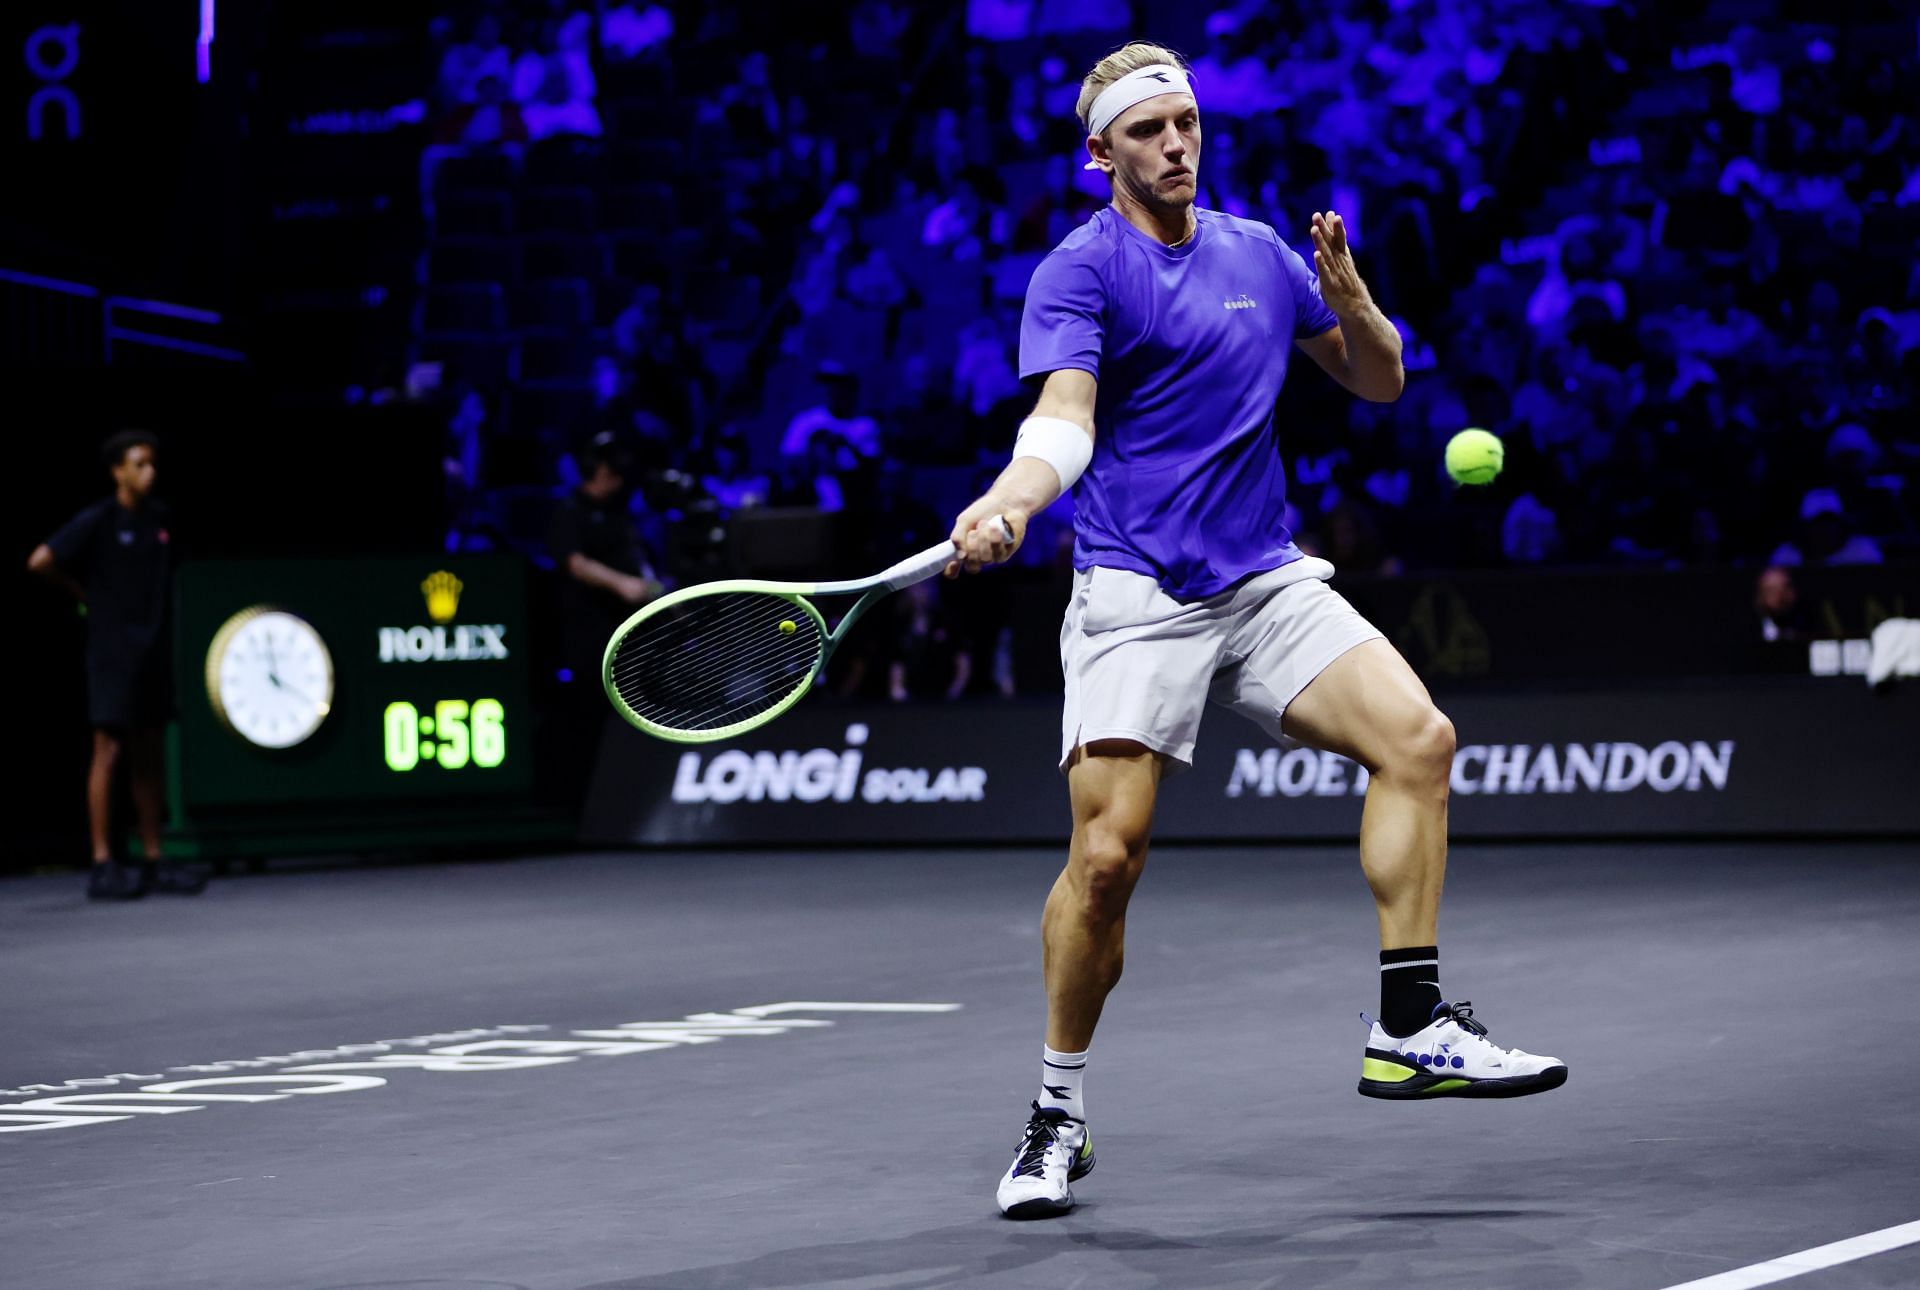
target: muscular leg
149 787
1112 783
1371 707
106 758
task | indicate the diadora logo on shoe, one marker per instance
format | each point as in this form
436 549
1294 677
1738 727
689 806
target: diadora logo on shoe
1241 301
1439 1061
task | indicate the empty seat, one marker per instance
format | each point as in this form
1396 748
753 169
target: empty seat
471 213
729 303
641 116
479 361
563 255
472 170
557 210
553 357
556 410
611 295
644 257
555 304
562 160
473 259
639 208
460 307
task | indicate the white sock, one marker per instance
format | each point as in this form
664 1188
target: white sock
1061 1075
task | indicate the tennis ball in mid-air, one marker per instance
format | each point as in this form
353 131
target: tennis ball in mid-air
788 627
1475 457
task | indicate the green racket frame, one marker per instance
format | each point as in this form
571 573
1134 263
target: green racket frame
916 568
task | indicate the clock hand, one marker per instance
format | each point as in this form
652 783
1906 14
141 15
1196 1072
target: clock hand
273 666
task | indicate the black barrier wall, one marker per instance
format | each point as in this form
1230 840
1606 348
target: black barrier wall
1761 757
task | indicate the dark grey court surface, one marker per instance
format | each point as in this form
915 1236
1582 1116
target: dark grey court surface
1739 1020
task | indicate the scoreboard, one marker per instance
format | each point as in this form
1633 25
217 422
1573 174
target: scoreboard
351 685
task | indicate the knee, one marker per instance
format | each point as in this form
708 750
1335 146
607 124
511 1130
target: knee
1423 754
1110 861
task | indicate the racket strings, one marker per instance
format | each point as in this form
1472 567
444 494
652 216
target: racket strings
729 644
715 660
706 690
703 647
731 633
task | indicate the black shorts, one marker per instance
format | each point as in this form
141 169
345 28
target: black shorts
130 694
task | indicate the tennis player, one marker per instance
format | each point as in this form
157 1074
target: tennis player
1160 334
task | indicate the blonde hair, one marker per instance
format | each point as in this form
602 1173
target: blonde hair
1128 58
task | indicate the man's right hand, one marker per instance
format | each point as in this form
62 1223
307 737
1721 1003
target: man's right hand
1026 487
43 563
980 539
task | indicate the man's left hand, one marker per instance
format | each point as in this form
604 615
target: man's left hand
1340 284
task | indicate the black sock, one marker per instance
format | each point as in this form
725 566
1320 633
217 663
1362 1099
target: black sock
1409 988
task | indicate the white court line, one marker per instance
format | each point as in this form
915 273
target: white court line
1822 1256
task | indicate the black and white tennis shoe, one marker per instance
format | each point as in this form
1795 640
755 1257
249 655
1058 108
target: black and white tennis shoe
1055 1150
1451 1057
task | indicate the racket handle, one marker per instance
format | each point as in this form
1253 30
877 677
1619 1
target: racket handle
918 568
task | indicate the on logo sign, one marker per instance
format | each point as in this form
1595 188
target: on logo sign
52 52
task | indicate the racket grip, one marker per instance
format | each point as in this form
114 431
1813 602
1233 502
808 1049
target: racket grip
918 568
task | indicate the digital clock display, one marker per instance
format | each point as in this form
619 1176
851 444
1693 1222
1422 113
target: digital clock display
457 735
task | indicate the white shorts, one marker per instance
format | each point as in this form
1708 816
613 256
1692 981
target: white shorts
1141 665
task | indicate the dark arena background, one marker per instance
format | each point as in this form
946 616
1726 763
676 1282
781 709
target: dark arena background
462 327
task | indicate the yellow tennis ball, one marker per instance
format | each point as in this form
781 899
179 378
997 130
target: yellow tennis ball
788 626
1475 457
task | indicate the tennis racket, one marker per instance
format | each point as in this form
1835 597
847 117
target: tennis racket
719 659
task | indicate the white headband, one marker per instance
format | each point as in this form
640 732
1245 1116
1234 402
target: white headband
1135 87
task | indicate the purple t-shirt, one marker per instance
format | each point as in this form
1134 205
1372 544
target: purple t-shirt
1190 345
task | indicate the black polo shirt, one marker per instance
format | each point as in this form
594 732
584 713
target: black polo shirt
124 559
604 532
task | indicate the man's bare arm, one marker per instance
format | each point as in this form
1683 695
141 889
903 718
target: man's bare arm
43 563
1028 485
1362 351
635 591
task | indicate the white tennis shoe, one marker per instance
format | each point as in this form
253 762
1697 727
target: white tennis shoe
1451 1057
1055 1149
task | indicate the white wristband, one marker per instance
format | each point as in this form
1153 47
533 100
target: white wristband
1061 444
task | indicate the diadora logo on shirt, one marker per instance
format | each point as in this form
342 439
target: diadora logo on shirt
1241 301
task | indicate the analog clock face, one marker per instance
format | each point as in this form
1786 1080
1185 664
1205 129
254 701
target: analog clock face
270 677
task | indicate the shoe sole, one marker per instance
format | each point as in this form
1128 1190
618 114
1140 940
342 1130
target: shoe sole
1426 1087
1040 1207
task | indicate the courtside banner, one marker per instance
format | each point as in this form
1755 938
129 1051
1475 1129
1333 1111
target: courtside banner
1768 756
